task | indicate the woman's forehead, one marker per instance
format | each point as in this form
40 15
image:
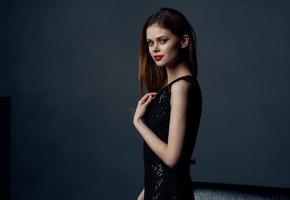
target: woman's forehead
155 31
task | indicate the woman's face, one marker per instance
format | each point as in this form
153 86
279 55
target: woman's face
163 45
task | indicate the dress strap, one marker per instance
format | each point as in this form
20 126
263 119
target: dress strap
182 77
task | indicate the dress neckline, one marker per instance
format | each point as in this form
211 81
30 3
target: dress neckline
178 79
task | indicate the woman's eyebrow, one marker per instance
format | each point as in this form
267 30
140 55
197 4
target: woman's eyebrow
157 37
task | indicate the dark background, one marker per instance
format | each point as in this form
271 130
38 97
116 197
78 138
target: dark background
70 68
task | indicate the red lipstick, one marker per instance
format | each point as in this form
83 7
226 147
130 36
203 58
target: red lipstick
158 57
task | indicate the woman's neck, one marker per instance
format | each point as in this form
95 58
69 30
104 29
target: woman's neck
173 72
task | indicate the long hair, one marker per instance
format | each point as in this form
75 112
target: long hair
151 75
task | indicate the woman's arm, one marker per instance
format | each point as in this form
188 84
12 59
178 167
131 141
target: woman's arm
141 195
169 153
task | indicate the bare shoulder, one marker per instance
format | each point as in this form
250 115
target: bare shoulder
180 87
179 92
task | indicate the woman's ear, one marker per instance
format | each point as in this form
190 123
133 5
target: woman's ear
184 41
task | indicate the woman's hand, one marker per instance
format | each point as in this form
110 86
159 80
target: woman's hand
142 105
141 195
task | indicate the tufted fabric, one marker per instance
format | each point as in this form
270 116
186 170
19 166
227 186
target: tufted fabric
218 191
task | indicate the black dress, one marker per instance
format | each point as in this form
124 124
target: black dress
160 181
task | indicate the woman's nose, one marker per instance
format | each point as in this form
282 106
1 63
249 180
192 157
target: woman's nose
156 47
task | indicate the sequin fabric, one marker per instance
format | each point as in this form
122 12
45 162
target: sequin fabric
160 181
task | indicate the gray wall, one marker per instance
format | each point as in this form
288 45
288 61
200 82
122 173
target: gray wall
71 70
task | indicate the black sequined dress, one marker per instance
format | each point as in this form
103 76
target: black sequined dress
160 181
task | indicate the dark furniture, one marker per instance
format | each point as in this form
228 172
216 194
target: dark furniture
218 191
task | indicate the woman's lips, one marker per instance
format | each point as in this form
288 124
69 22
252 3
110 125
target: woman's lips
159 57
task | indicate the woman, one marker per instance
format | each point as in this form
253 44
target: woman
168 116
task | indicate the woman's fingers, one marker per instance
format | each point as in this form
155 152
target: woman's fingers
146 96
146 100
149 99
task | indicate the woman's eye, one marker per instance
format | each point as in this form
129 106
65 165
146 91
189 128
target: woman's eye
160 41
149 43
163 41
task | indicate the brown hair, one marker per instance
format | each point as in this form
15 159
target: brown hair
150 74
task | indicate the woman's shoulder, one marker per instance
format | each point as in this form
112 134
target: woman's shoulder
187 86
182 83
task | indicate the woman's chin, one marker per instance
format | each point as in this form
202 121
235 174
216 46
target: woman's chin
159 64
